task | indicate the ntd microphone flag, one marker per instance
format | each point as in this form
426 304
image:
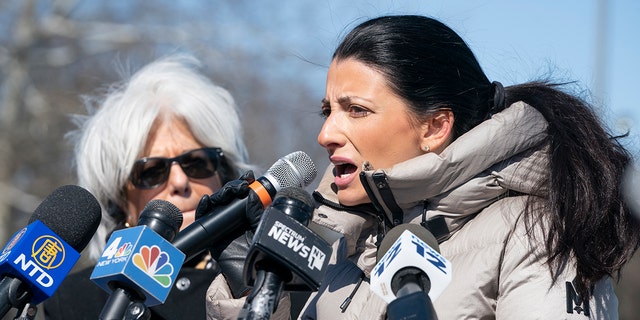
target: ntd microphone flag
37 254
410 251
142 258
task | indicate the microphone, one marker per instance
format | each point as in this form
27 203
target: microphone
39 256
410 272
293 170
285 254
140 264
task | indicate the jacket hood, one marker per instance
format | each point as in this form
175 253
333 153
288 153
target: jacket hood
505 152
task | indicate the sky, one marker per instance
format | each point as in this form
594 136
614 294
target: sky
515 41
592 42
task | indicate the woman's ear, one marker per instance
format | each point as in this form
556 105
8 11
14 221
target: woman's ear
437 131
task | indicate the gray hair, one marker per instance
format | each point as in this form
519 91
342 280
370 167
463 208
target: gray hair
113 135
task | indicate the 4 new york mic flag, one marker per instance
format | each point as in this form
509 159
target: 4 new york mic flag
142 258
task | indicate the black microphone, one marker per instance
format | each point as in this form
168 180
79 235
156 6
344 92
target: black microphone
283 248
139 264
293 170
39 256
410 272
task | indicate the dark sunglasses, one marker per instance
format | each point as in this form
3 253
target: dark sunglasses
148 173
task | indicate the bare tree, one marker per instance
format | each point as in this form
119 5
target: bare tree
52 52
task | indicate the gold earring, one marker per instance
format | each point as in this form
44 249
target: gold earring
426 148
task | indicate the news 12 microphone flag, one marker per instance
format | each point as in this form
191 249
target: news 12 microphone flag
37 254
410 250
141 257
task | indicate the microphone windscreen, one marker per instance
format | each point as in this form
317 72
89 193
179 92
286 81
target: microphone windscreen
393 235
293 170
164 210
296 203
163 217
72 213
295 193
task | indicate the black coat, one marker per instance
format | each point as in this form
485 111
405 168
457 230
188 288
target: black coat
80 298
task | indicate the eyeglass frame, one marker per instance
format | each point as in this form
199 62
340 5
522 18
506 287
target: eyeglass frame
215 157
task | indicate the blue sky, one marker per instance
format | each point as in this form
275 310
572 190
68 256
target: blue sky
515 41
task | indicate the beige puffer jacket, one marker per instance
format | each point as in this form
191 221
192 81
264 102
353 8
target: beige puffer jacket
477 187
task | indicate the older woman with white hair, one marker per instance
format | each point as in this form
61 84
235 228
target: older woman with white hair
167 133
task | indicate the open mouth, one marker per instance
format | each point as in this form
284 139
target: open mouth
345 169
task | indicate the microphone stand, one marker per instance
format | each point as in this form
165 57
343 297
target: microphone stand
137 311
28 312
123 305
15 293
412 303
264 297
117 304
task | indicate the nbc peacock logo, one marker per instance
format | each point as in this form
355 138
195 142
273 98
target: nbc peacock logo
155 263
124 250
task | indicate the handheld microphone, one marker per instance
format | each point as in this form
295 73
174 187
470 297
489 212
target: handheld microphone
140 264
293 170
285 254
410 272
39 256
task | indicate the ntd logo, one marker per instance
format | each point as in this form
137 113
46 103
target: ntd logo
155 263
34 271
48 252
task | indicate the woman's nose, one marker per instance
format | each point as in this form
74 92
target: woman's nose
178 180
330 133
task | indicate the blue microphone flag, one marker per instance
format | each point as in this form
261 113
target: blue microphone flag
140 257
39 256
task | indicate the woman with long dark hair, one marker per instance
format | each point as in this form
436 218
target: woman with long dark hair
521 185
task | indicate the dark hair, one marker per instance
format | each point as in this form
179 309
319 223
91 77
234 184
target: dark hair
426 63
589 217
431 67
